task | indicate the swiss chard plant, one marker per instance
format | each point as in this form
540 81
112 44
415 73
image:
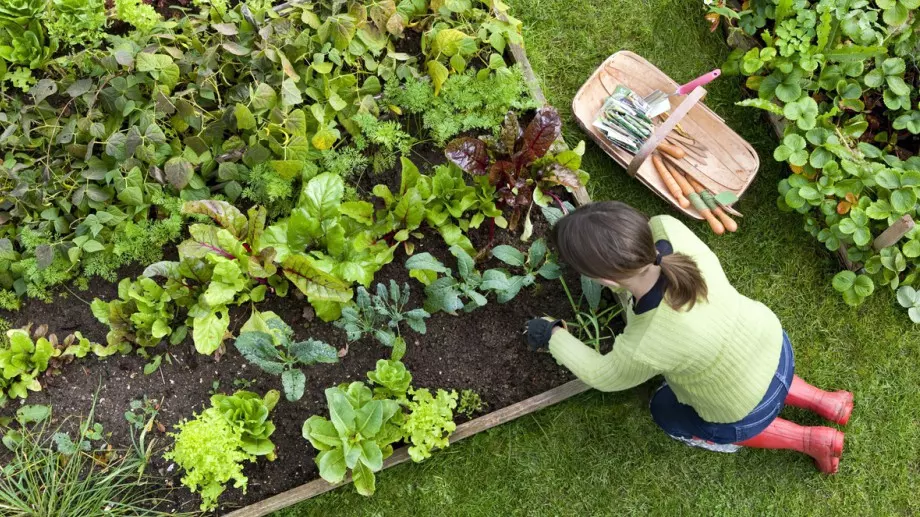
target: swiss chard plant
519 161
358 435
537 262
268 342
380 315
326 245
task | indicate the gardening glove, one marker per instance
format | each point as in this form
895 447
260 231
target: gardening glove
539 331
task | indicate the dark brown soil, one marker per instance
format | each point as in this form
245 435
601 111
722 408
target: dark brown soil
482 351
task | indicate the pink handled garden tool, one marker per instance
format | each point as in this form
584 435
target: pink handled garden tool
658 100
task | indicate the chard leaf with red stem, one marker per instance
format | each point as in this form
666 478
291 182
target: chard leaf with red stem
470 154
539 136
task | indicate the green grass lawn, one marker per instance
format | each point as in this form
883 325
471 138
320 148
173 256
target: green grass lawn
601 454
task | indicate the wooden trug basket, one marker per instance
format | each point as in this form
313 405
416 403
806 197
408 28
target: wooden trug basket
731 163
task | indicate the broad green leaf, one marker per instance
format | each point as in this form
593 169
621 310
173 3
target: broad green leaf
244 117
293 381
209 331
509 255
147 62
363 479
331 465
341 412
438 73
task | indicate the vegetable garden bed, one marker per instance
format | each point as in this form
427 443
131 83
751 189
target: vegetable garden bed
480 352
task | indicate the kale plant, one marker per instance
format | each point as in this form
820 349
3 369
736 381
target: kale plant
381 314
448 293
268 342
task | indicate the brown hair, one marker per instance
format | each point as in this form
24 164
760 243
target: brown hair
613 241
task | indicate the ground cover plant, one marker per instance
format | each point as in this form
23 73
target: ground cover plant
165 177
843 77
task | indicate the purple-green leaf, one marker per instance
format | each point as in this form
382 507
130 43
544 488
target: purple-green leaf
470 154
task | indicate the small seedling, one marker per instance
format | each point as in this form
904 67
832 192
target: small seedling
381 314
470 403
537 262
592 323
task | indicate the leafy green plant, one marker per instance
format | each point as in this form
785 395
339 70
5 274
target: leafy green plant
841 80
268 342
391 378
142 315
470 403
142 16
447 293
854 288
466 101
910 300
358 437
536 263
22 361
518 160
430 422
381 314
77 22
212 447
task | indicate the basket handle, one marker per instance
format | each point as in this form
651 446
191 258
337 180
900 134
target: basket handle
661 132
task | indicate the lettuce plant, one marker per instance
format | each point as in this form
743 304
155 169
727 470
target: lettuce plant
22 361
212 446
430 422
143 314
77 22
268 342
357 437
391 378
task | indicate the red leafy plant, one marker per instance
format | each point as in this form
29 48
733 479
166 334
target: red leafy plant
519 161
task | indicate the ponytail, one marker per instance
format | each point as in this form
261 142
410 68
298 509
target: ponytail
611 240
686 285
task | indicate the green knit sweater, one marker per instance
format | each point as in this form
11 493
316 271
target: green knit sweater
719 357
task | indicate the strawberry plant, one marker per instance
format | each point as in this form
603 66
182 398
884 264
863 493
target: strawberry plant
838 75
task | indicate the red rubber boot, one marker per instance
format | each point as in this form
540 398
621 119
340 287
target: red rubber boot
834 406
824 444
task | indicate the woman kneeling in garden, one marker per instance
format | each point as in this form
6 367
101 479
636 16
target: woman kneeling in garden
727 363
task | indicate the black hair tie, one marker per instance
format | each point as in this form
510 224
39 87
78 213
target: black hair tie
658 258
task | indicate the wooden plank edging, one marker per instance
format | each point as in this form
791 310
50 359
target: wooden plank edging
401 455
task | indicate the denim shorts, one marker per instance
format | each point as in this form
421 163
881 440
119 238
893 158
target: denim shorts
682 421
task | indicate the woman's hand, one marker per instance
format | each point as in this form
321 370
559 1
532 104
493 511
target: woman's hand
539 331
